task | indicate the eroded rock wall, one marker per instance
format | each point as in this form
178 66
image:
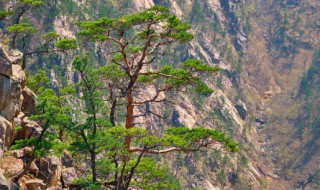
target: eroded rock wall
17 102
12 83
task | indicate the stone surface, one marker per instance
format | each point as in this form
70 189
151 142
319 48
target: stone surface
22 181
28 150
49 170
5 133
66 159
55 188
34 169
29 102
34 184
14 187
184 114
68 175
12 165
29 129
5 62
16 126
20 153
4 183
10 92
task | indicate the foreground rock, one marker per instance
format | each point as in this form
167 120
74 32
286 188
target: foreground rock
49 170
4 183
12 81
11 92
5 62
5 131
34 184
68 175
29 102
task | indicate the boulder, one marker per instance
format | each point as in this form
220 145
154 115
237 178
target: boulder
11 92
19 153
29 129
50 169
68 175
34 169
28 151
22 181
16 126
34 184
66 159
55 188
4 183
7 60
29 102
5 133
12 165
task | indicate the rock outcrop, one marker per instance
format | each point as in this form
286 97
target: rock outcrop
17 103
11 92
5 129
12 82
29 101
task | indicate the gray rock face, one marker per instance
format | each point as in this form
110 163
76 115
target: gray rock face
49 170
4 183
10 92
68 175
29 101
30 129
12 81
5 131
67 160
14 186
5 63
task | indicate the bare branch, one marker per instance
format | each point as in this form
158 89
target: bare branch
155 47
154 99
172 149
149 62
161 74
115 40
149 112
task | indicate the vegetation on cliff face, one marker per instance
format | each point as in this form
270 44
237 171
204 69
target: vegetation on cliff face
266 93
141 38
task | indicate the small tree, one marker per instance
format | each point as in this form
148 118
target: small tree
50 116
15 11
139 40
49 42
27 38
93 104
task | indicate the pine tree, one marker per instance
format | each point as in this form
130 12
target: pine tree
139 40
50 116
29 39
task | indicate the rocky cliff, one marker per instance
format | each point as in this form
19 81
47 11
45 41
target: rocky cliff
17 102
12 81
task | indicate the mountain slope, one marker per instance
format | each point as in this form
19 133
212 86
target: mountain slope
266 95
